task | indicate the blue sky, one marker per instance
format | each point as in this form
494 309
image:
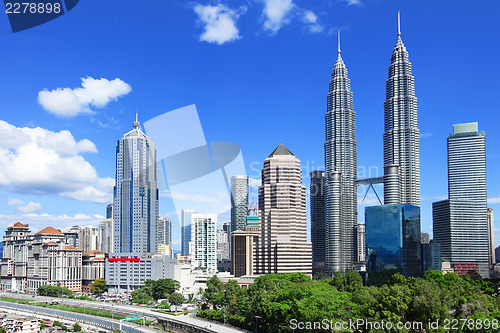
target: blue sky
258 72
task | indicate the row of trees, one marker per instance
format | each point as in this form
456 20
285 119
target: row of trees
275 300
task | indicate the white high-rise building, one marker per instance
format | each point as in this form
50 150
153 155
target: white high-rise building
283 245
203 239
340 172
135 205
106 236
401 135
88 238
460 224
164 231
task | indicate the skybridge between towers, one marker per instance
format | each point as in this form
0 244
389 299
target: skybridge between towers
370 182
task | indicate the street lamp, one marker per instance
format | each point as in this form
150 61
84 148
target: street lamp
257 323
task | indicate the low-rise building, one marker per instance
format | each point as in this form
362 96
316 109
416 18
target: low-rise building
19 324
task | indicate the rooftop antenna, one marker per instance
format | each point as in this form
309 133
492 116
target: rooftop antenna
137 124
399 24
338 40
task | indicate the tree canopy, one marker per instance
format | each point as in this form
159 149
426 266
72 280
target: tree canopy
274 301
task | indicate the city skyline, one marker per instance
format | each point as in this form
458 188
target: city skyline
439 48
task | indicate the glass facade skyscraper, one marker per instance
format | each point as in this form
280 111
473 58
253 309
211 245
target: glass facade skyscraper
318 225
393 238
460 224
135 204
239 202
401 134
340 172
186 230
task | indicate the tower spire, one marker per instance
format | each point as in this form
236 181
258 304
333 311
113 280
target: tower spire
137 124
338 40
399 24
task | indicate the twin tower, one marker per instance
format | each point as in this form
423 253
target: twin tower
401 154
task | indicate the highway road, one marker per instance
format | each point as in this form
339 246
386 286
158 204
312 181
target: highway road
198 324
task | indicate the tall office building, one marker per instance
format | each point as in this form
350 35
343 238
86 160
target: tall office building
283 245
135 205
460 224
401 135
341 172
361 243
186 230
239 202
203 237
491 236
318 225
106 236
164 231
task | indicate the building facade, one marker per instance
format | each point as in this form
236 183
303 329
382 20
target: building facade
106 236
283 245
14 263
92 268
491 236
126 272
431 256
318 223
186 230
53 262
393 238
244 251
460 224
164 232
340 172
401 133
135 204
204 243
239 202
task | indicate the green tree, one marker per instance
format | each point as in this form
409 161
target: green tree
162 288
175 299
98 287
59 324
42 325
76 327
53 291
214 293
139 296
2 330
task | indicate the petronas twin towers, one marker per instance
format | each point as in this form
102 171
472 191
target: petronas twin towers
401 154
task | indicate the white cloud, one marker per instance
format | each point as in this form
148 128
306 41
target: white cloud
15 202
38 222
277 14
311 21
494 200
425 135
31 207
39 161
220 23
354 2
97 93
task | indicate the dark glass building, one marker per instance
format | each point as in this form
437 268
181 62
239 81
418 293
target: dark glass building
393 238
318 223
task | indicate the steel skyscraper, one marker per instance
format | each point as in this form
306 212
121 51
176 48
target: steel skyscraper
135 204
460 224
401 135
341 172
239 202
